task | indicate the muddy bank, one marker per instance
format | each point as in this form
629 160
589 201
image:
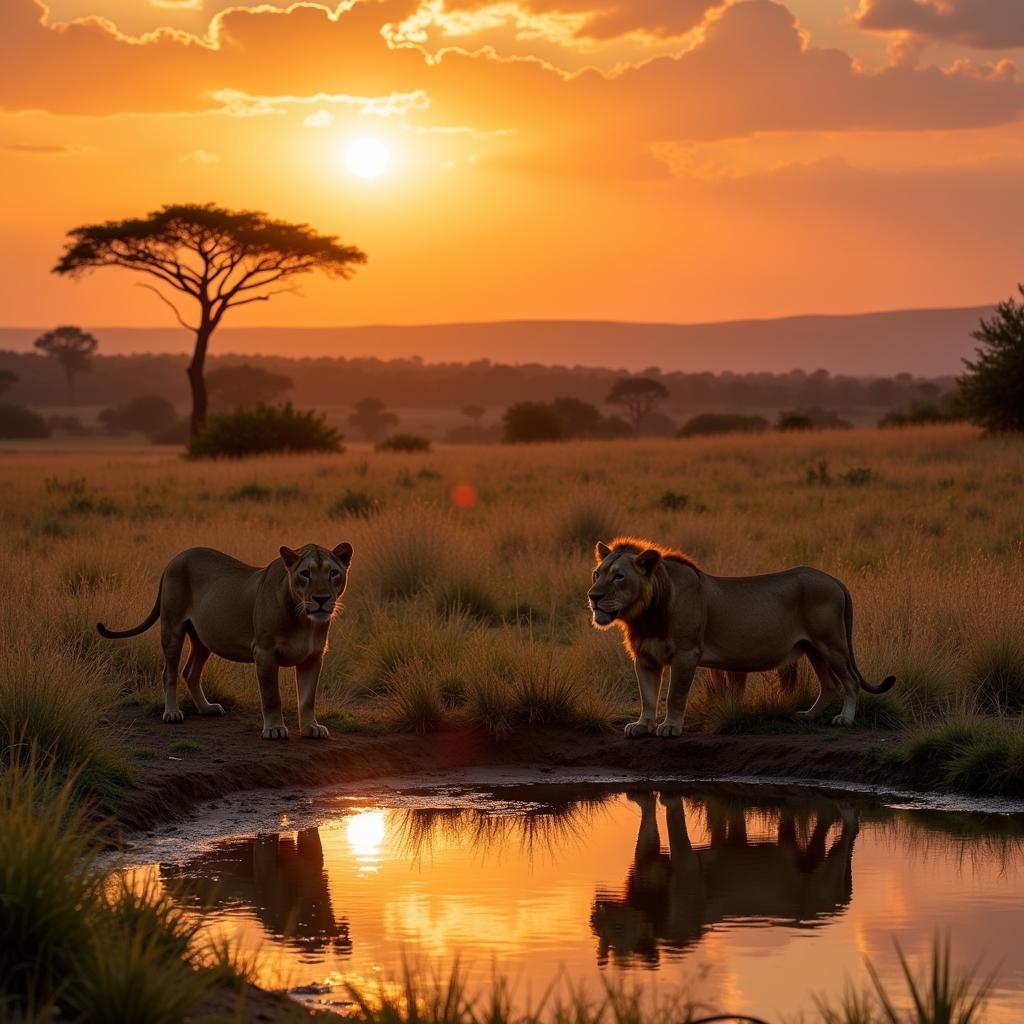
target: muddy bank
179 766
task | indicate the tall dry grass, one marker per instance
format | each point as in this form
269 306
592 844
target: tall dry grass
479 614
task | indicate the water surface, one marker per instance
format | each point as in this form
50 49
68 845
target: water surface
750 900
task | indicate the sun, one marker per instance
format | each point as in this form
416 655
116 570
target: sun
367 157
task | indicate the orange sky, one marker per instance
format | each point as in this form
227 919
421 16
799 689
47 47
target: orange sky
665 160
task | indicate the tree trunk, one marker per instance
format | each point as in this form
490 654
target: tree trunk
196 380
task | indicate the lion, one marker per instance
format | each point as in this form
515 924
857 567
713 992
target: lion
676 616
273 617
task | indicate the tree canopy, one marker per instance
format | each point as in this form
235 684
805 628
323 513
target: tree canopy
992 388
639 396
219 258
371 418
72 347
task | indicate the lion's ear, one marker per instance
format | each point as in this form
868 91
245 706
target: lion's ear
343 553
602 551
647 560
288 556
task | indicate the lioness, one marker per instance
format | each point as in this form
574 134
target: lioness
275 616
676 616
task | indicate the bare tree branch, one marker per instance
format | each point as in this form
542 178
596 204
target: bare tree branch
167 302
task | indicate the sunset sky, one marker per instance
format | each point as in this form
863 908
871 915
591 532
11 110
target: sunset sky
660 160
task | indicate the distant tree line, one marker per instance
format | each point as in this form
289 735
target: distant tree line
411 383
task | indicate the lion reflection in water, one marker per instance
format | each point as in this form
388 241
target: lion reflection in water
280 876
670 899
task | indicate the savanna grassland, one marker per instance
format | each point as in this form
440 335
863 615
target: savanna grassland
476 616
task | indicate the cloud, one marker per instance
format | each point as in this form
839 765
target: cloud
39 147
321 119
201 157
984 24
241 104
752 70
581 19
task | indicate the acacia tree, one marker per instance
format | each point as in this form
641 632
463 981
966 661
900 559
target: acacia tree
72 347
371 418
217 258
639 395
992 388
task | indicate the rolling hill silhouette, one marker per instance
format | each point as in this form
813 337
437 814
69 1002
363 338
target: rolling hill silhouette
928 342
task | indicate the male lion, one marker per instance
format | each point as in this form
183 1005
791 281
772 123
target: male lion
275 616
676 616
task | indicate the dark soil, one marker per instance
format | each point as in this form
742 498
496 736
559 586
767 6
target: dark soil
177 766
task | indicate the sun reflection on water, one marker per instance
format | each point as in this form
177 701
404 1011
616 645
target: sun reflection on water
365 831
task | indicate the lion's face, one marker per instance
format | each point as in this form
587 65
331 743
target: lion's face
317 578
621 584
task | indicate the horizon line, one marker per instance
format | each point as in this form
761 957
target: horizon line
526 320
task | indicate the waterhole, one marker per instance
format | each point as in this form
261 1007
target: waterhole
746 899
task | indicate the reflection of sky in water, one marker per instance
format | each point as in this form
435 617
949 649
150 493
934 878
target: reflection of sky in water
752 904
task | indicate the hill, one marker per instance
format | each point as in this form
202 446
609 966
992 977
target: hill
927 342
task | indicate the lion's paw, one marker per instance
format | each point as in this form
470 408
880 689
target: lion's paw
316 731
669 729
638 728
213 709
842 720
276 732
804 716
174 716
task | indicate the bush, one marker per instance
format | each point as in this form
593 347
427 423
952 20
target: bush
674 501
709 423
355 503
813 418
148 414
947 410
794 421
404 443
532 421
263 429
18 422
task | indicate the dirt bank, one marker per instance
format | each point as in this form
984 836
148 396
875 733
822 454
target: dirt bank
178 766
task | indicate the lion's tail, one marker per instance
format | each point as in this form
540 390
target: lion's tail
121 634
889 681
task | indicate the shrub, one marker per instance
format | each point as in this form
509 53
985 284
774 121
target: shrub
673 501
532 421
814 418
794 421
947 410
148 414
858 476
721 423
263 429
818 474
18 422
404 443
355 503
250 492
